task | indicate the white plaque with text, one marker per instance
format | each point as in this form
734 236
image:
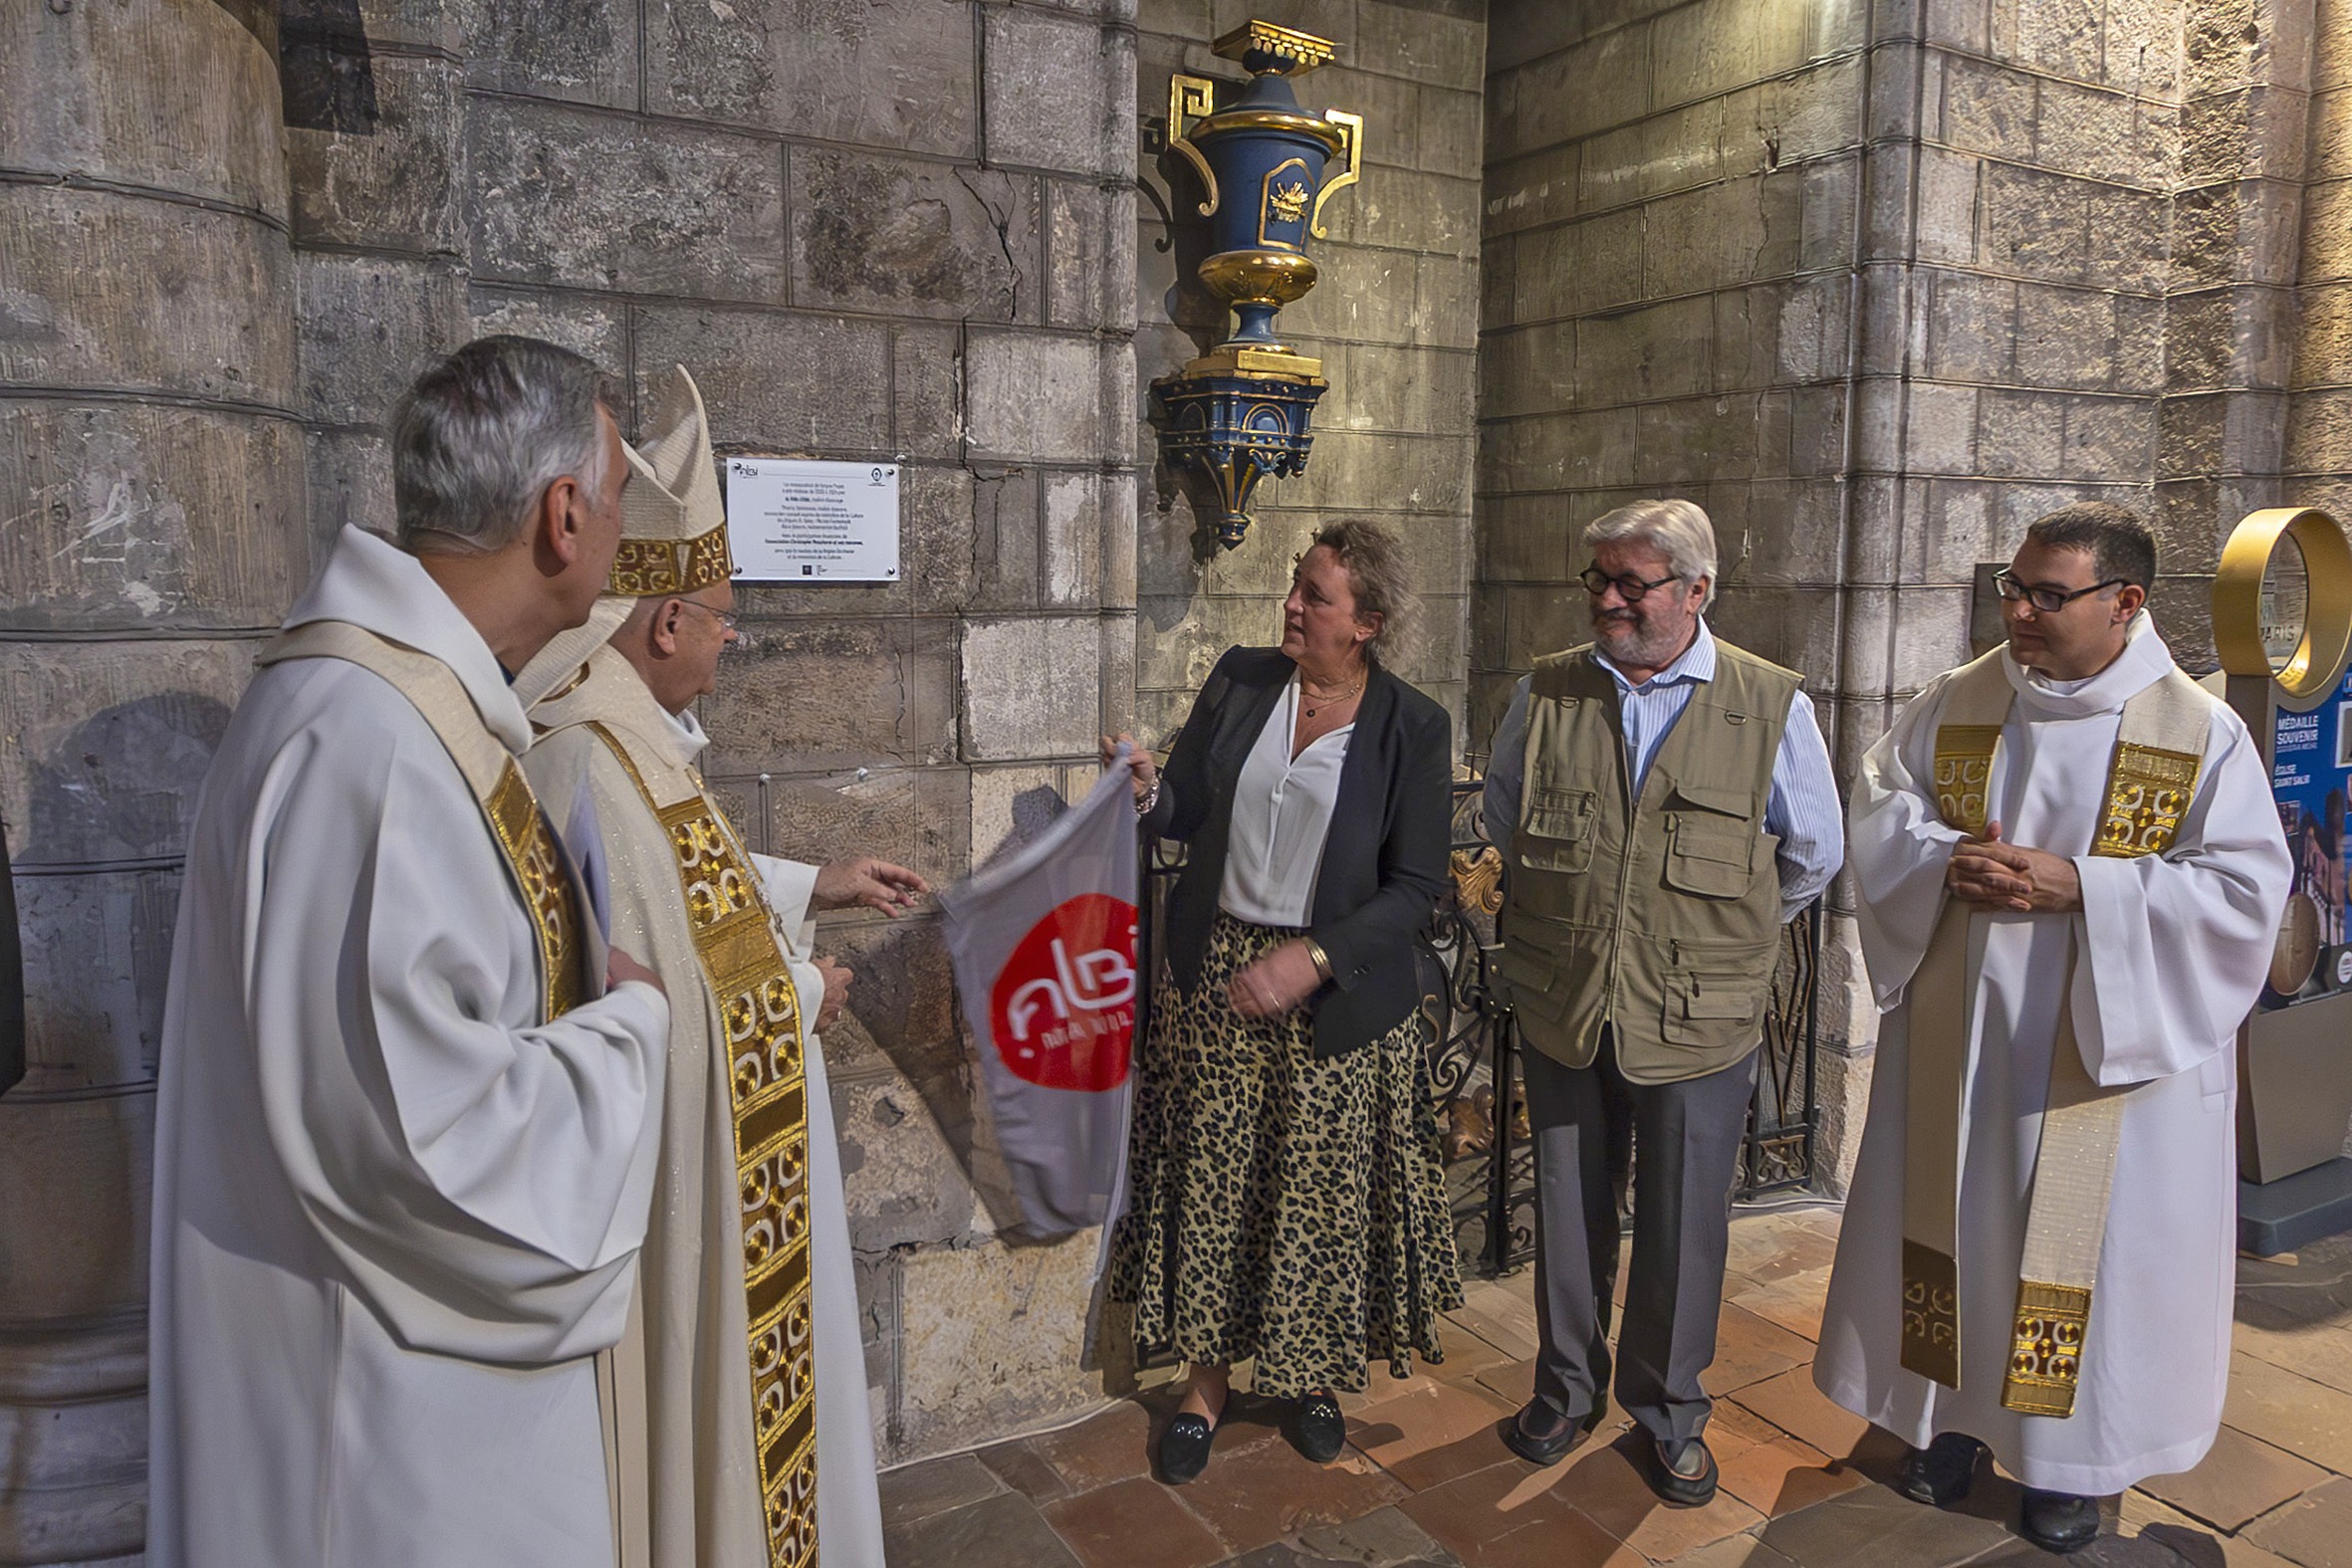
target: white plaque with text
796 519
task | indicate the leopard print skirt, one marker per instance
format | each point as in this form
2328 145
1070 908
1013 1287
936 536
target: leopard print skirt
1281 1208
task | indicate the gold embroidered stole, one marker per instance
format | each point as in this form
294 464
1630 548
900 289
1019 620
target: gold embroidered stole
2151 778
525 839
749 973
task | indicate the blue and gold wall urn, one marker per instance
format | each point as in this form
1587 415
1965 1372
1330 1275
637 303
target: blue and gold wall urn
1267 166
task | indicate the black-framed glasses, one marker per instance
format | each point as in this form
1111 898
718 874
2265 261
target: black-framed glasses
2045 601
725 619
1630 589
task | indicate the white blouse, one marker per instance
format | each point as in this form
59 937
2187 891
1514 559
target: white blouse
1281 811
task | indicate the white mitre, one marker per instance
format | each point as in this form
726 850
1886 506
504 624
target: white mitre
673 534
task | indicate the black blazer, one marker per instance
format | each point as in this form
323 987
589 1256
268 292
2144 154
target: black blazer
1385 861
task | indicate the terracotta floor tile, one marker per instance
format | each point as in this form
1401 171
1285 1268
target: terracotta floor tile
1263 1490
1509 1517
1514 1380
1501 1313
2315 1529
1467 1355
1114 1445
2314 1288
1792 1403
1741 1551
1018 1466
1782 1476
2321 1352
1793 1302
2291 1411
1432 1435
1004 1532
1773 1245
917 1492
1380 1388
2194 1544
1610 1489
2240 1480
1386 1539
1731 1419
1748 1348
1872 1527
1133 1525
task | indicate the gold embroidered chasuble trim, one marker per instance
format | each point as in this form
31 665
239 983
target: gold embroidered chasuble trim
2152 776
644 567
525 839
750 975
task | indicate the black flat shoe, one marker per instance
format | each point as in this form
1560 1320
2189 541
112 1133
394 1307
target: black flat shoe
1317 1429
2058 1521
1184 1448
1550 1450
1669 1477
1941 1474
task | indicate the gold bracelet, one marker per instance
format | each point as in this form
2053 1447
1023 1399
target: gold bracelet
1323 960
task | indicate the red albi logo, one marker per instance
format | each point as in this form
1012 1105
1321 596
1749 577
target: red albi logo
1063 1005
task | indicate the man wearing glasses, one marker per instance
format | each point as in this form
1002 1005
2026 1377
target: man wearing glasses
1666 804
2070 874
720 1459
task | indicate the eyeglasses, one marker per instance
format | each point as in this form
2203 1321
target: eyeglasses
1630 589
726 620
2045 601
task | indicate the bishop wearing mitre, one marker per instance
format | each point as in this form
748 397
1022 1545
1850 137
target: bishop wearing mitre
2070 874
405 1149
738 1413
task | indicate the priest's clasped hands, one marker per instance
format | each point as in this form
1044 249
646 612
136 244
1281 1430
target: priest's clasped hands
1991 874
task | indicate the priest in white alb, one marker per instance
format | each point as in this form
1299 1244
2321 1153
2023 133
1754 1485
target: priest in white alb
738 1403
2070 874
408 1107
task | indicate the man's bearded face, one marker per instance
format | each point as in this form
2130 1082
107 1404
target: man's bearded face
1653 628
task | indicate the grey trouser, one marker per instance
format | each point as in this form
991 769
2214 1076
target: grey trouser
1680 1142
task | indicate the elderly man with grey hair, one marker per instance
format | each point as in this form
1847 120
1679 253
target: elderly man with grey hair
1665 805
408 1109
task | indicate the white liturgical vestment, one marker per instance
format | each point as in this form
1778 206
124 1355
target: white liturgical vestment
397 1212
2168 951
689 1490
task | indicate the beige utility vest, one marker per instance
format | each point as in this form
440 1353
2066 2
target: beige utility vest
1659 915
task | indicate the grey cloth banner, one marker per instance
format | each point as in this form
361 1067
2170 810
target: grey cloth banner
1044 947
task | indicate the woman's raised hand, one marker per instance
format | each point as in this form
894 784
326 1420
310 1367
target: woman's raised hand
1139 764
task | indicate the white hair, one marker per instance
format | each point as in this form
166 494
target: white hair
1677 530
482 434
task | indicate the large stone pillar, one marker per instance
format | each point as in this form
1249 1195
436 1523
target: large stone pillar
150 530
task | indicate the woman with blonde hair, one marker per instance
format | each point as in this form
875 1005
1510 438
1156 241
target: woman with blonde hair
1287 1196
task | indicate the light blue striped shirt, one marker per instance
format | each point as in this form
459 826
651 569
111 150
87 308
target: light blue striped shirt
1803 808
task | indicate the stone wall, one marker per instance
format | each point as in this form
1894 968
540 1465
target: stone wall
150 530
1393 319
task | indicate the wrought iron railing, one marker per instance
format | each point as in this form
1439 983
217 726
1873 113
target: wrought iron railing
1472 1049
